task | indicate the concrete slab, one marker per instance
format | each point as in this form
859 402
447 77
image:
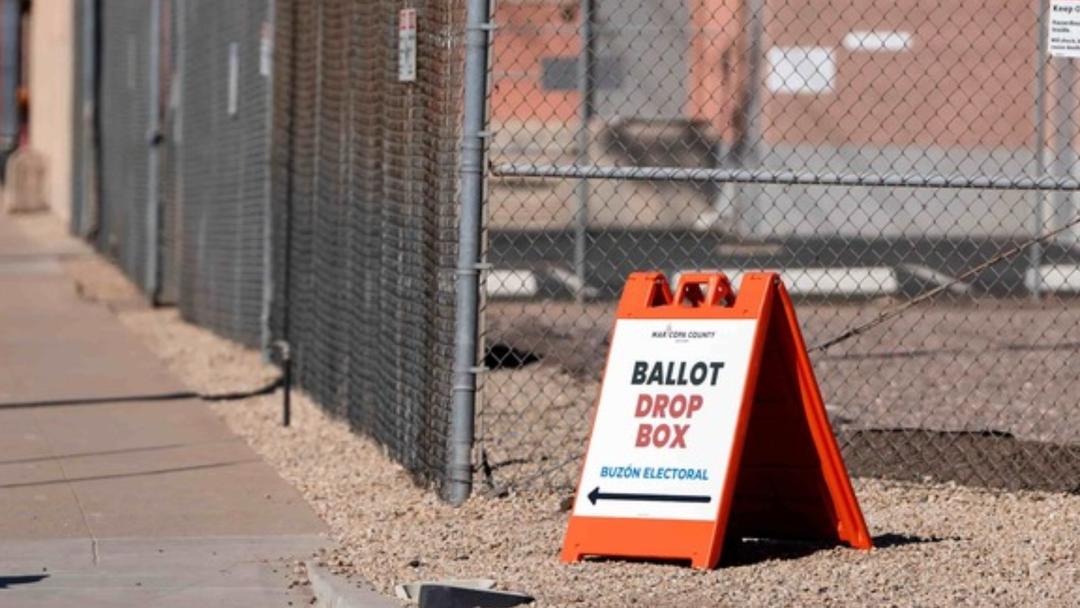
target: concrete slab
30 267
333 591
241 574
213 551
45 556
222 571
53 346
162 460
242 497
142 503
38 235
30 473
95 428
20 437
40 512
218 597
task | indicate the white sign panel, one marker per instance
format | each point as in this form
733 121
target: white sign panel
800 70
1063 32
666 419
407 45
877 41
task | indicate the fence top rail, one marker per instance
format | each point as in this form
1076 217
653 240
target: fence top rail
786 177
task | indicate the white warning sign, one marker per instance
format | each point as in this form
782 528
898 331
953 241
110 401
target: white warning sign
1063 31
666 419
407 45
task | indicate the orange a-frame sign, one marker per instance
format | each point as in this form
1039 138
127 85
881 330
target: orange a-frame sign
709 424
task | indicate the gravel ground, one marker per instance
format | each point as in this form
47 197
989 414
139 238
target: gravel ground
1004 365
937 545
991 383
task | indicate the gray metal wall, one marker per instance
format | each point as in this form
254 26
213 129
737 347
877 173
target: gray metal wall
124 110
83 121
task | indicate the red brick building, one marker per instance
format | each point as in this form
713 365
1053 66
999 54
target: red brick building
898 73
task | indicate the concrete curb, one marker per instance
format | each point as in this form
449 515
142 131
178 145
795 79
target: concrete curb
333 591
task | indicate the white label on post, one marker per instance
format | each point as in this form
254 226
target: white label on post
666 419
266 48
1063 31
234 77
407 45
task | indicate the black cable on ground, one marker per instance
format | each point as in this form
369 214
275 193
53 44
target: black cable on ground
176 396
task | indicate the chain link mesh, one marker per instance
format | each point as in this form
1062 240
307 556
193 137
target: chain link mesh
869 151
224 148
82 126
171 221
761 134
365 207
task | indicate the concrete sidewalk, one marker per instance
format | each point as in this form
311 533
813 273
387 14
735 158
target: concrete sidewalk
123 504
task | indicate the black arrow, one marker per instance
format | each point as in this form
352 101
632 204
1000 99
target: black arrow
596 495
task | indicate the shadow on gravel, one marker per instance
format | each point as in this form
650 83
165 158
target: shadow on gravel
747 552
503 356
25 579
751 551
890 540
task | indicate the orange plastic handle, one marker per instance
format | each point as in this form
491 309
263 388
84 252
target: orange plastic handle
717 290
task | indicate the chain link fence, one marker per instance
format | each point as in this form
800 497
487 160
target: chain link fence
365 212
221 131
869 151
264 166
276 169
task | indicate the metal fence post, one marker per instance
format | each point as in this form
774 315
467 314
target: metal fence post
1064 139
1039 196
585 90
266 330
459 473
746 217
85 220
9 75
153 142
